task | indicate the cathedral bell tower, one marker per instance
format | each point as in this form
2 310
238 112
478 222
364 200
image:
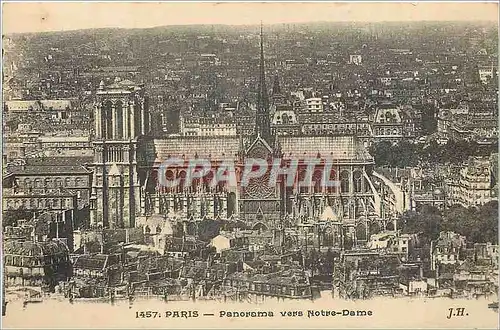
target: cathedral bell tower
121 116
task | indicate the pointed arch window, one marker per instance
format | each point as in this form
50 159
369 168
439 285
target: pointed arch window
329 177
317 181
119 119
106 119
344 181
358 179
38 183
303 188
182 180
59 182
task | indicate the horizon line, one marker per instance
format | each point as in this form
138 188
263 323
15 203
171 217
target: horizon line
255 25
39 17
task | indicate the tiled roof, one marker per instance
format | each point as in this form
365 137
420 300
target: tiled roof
203 147
28 248
334 147
59 161
49 170
280 278
22 105
49 165
58 138
95 262
56 104
39 105
38 192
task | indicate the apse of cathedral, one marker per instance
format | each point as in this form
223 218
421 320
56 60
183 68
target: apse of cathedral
128 162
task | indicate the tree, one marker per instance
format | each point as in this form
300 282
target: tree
427 220
477 224
10 217
381 152
406 153
208 229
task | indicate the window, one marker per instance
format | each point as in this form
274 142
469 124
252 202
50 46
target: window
59 183
357 181
317 180
344 181
38 183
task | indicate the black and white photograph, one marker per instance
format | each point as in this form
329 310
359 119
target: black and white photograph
250 165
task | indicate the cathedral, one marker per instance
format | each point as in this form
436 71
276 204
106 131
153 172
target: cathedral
127 162
121 119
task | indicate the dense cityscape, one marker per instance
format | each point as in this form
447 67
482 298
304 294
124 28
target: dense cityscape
403 116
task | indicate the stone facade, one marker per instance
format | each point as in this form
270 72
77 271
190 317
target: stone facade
121 117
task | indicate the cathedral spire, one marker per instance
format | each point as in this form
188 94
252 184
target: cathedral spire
263 126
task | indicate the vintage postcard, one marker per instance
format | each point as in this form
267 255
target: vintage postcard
250 165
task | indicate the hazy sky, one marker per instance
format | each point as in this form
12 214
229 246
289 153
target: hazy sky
34 17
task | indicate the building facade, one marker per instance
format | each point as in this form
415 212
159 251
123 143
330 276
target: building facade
129 163
121 118
473 185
